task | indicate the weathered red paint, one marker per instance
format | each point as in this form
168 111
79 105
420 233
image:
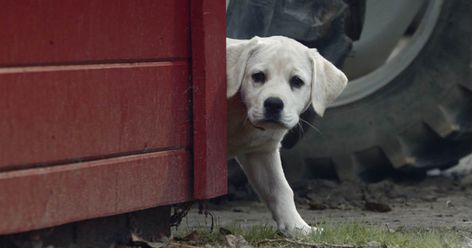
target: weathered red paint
43 197
59 114
72 32
209 92
97 115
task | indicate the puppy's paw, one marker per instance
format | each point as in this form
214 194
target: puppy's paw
317 230
298 229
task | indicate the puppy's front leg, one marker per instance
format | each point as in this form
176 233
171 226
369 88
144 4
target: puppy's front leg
265 174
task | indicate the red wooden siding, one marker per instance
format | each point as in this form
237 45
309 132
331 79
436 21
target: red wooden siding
109 106
71 32
42 197
75 113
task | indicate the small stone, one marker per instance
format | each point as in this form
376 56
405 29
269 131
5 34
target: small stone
236 241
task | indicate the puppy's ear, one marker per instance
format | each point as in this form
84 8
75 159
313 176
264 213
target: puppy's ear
237 55
327 82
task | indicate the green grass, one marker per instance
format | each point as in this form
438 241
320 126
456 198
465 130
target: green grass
353 234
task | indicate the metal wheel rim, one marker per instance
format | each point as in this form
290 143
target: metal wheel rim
368 84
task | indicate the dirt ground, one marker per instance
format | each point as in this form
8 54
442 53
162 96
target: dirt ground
441 200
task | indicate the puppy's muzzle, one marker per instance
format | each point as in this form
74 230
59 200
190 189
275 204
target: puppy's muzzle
273 107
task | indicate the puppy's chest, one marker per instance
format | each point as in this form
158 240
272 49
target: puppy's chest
245 138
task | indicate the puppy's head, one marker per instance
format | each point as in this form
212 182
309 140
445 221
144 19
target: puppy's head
278 78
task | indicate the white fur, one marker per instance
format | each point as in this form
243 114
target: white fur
256 143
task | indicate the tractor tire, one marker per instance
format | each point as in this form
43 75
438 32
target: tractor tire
420 120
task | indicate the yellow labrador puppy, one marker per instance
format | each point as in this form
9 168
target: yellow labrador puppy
271 81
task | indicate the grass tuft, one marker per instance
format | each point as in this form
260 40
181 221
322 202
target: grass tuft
350 234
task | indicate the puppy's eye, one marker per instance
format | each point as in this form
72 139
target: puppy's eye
296 82
259 77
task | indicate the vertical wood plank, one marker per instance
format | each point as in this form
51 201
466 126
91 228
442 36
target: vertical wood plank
208 35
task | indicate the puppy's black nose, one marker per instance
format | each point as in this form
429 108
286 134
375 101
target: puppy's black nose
273 106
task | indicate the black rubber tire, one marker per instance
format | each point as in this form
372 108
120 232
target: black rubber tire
421 120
